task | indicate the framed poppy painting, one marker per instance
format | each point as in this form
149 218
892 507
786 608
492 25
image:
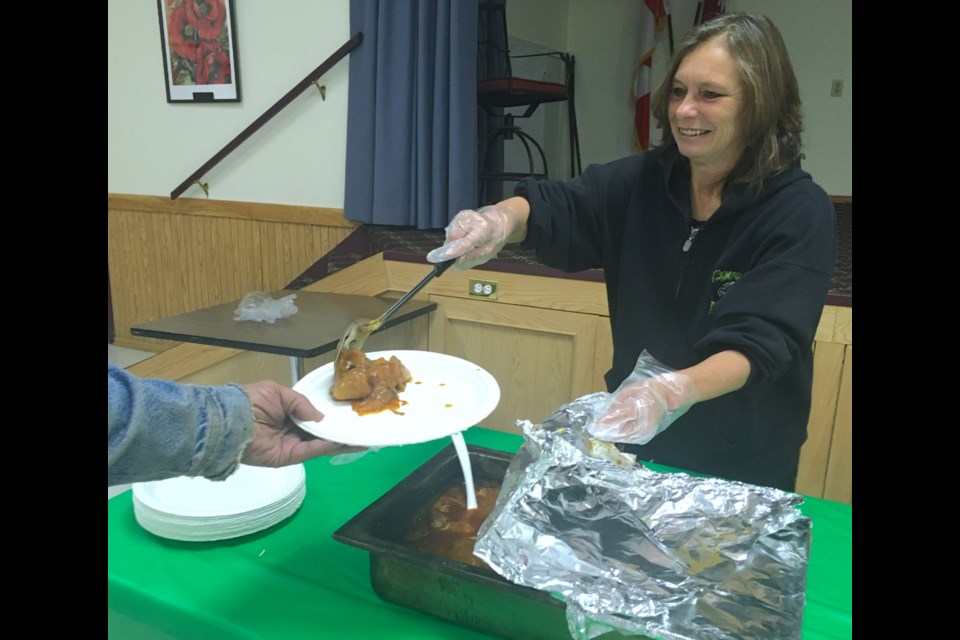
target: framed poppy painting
199 42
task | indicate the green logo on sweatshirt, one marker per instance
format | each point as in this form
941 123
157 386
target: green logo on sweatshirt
723 280
725 276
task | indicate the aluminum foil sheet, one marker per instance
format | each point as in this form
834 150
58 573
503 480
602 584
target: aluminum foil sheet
665 555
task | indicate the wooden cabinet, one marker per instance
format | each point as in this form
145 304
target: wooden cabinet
542 358
826 460
547 341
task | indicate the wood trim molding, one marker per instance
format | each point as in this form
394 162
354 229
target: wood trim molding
293 214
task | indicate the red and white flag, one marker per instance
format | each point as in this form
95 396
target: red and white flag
653 20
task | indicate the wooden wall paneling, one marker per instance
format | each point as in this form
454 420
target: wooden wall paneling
604 354
222 260
839 482
264 212
166 265
290 249
135 242
123 267
814 456
169 257
541 358
165 270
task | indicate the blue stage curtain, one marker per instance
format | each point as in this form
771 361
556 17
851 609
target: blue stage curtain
412 113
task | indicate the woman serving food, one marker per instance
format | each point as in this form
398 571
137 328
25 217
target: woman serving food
717 251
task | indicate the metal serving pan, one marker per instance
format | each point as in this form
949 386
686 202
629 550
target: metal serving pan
473 597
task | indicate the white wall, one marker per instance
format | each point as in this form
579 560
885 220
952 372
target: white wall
298 157
819 37
604 34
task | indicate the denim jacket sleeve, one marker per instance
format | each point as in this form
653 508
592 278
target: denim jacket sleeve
158 429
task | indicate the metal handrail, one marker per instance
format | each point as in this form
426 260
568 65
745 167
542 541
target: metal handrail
301 86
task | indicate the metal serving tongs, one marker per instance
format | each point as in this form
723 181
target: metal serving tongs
359 330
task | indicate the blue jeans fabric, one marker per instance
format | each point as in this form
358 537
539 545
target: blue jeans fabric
159 429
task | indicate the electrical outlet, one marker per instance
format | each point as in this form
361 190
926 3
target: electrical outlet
483 289
836 88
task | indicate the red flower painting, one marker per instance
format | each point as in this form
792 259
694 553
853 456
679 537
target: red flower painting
199 42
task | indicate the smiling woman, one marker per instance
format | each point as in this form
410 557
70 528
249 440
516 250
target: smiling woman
704 110
734 88
698 238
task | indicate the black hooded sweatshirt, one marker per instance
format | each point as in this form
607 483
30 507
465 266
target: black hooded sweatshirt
752 278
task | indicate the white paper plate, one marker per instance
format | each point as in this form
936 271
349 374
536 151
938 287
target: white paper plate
249 489
447 395
193 529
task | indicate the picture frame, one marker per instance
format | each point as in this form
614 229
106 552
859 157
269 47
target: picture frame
199 43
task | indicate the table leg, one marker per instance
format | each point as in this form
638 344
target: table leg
296 369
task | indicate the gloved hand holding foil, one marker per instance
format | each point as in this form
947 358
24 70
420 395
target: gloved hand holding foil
475 237
647 402
627 548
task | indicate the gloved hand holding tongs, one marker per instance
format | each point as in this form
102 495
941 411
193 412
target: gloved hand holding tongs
474 237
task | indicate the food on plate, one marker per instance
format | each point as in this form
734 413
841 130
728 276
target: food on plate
447 528
371 385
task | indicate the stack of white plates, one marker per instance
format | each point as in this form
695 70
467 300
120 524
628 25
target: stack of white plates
192 509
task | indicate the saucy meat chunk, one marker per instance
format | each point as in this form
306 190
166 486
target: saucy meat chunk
372 385
447 528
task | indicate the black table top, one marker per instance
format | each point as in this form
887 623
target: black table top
316 327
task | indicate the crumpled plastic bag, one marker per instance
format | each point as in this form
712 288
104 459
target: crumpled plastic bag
261 307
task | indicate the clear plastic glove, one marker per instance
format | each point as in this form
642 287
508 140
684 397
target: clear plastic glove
474 237
347 458
645 404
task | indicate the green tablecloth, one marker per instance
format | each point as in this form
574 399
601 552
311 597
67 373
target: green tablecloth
294 580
